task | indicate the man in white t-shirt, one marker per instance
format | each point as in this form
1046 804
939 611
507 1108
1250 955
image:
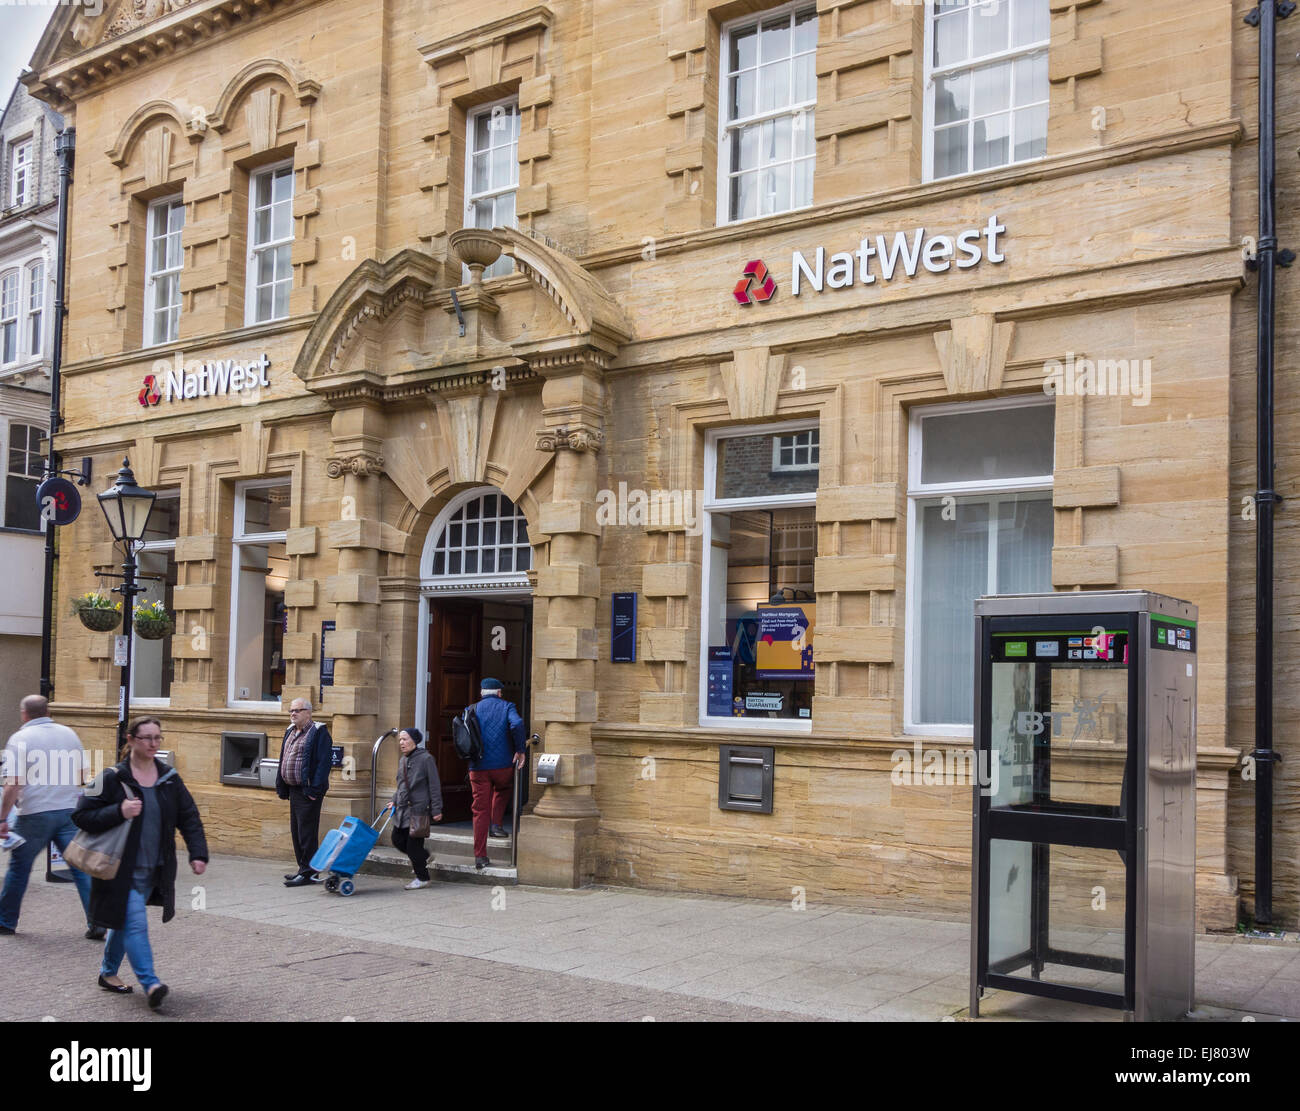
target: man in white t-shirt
44 767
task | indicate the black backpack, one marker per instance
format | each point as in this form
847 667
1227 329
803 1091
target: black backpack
465 735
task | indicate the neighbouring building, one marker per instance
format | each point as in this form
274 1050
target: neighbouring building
689 366
29 172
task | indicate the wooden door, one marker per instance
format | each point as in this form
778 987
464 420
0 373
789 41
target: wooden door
455 631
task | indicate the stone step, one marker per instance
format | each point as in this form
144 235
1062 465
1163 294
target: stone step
451 857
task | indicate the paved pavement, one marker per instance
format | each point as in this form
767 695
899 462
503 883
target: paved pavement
243 946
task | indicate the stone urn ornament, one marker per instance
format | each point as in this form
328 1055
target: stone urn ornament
477 248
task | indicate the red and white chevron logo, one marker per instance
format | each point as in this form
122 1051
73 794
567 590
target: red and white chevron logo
756 285
150 395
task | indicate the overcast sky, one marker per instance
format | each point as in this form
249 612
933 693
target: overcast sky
20 30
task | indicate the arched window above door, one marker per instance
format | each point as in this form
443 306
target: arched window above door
481 536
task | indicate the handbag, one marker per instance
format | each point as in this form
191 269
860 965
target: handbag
419 826
100 854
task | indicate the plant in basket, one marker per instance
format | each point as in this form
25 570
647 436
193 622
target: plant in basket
152 621
97 613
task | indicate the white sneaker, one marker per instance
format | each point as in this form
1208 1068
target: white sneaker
415 885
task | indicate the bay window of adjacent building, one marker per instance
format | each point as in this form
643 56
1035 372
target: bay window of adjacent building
163 262
270 244
9 295
492 171
259 573
767 100
35 308
152 666
979 522
986 80
758 593
20 173
26 468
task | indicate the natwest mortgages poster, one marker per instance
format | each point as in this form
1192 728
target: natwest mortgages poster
785 636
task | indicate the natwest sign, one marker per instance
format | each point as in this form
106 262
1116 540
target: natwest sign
883 257
178 382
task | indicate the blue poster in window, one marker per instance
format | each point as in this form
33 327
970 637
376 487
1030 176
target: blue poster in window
719 695
326 660
622 629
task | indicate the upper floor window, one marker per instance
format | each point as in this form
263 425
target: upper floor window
35 307
270 244
25 470
492 171
9 317
986 83
20 172
163 262
769 91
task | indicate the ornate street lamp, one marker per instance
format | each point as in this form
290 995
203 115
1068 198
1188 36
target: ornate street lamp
127 506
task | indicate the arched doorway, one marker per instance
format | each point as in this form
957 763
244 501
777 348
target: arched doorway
475 621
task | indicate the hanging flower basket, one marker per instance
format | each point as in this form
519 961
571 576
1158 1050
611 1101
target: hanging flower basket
97 613
152 622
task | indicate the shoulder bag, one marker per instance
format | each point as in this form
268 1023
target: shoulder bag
100 854
419 824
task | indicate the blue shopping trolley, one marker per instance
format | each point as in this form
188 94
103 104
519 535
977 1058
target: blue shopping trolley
345 849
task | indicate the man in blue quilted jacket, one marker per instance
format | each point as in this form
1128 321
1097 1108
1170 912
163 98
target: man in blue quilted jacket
491 776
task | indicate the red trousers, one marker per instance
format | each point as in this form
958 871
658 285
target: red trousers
491 793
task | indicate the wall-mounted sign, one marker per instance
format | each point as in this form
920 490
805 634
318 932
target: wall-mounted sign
326 660
883 257
206 379
58 501
336 756
785 636
720 672
622 629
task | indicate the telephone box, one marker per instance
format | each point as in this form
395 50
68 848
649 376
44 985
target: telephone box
1084 855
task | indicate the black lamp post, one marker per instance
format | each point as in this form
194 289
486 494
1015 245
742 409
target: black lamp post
127 506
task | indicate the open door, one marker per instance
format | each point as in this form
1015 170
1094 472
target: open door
455 656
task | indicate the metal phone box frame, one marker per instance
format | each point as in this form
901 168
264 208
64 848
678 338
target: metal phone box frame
1083 888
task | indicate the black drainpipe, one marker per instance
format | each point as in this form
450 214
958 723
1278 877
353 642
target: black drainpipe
65 147
1268 257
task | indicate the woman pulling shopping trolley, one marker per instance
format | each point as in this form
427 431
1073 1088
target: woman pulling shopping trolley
416 802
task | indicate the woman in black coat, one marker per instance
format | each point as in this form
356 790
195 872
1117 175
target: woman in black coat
418 795
157 806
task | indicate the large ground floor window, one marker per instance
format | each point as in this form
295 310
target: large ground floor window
760 601
980 522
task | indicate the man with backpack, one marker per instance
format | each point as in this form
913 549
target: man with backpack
492 773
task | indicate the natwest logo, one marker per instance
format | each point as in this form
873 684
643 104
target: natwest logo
756 285
180 381
150 394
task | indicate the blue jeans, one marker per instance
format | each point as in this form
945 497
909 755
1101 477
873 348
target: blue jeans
39 829
133 939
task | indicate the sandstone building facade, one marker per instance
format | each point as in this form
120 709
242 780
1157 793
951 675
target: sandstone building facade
438 326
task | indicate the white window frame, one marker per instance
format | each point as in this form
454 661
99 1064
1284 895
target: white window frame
168 546
793 468
160 209
35 271
239 540
256 249
709 505
727 127
21 169
926 492
503 265
969 64
10 425
12 305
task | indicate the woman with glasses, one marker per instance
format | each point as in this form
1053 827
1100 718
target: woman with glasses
147 793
